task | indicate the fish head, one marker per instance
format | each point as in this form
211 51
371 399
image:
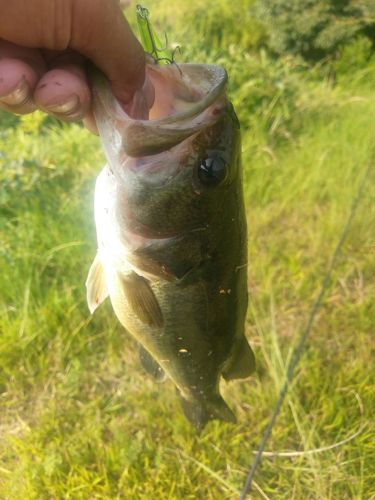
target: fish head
175 163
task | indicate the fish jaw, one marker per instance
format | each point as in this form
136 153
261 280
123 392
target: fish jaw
200 87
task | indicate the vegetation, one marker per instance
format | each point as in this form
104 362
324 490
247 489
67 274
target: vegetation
315 28
78 417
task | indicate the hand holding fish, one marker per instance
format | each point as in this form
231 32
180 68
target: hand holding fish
45 46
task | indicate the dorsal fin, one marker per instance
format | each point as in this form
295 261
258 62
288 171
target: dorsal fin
96 285
141 299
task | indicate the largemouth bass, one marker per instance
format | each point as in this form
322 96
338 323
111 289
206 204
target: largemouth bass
171 232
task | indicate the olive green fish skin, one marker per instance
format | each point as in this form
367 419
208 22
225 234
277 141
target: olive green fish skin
183 231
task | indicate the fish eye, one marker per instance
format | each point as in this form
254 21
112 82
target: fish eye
212 170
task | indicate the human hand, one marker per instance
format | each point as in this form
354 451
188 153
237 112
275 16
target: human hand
45 45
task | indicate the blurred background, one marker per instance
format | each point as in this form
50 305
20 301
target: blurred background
78 417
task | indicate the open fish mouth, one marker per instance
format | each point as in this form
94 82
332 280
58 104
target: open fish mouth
188 98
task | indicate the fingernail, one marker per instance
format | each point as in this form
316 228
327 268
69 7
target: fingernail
66 108
19 96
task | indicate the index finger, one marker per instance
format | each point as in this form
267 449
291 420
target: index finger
106 39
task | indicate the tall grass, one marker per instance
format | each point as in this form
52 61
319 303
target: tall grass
78 417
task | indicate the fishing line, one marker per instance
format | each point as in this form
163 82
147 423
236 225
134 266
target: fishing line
305 333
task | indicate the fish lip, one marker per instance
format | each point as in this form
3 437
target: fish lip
217 78
139 137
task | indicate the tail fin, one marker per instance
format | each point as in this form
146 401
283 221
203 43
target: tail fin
199 412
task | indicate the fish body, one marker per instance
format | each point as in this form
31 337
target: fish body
171 232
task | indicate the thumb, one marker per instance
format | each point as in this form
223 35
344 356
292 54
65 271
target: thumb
100 32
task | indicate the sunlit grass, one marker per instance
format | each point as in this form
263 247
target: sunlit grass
78 417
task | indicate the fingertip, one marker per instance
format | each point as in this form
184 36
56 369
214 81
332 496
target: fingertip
103 34
128 75
17 81
64 93
12 72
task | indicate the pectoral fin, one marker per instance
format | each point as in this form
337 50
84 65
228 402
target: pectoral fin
96 285
151 366
141 299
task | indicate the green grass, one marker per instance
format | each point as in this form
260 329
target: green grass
78 417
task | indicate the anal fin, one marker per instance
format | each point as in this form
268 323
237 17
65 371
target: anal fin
151 366
242 362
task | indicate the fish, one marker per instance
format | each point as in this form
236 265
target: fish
171 232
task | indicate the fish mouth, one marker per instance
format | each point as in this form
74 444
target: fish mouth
188 99
196 87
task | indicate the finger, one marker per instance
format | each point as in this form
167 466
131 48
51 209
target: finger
68 58
95 28
64 92
20 69
119 54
